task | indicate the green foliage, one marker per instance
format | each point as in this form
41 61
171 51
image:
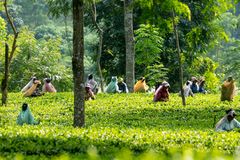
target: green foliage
203 64
148 44
118 124
3 33
110 18
226 52
156 74
42 58
46 32
3 36
212 81
1 6
59 7
205 67
178 7
31 13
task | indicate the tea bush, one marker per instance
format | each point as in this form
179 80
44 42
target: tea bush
114 122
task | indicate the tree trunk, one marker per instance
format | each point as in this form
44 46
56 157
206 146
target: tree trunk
129 43
77 63
5 78
179 59
8 58
99 58
100 34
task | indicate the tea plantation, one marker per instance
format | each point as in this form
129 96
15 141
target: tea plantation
119 126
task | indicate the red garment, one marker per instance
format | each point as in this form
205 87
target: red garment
161 94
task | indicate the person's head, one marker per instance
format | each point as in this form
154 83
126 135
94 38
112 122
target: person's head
90 76
230 114
34 78
188 83
120 79
114 78
142 79
24 106
48 80
165 84
87 87
230 78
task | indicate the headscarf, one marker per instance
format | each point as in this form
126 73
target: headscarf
112 86
228 90
141 86
48 87
230 112
29 85
25 116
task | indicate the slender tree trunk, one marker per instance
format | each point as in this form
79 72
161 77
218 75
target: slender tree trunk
99 59
5 78
100 34
8 58
179 59
129 41
77 63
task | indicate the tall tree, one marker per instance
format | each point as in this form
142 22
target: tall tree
8 57
129 43
100 43
77 63
179 58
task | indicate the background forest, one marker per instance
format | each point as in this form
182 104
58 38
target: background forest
209 42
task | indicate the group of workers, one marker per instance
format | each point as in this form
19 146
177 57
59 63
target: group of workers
32 88
194 86
117 85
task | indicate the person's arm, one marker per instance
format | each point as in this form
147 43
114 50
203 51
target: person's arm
168 94
191 93
220 125
53 88
92 95
126 88
19 120
220 128
44 88
117 89
236 123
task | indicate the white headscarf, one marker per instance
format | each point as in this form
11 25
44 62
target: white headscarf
29 85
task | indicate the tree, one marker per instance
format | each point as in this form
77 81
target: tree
40 57
129 43
149 45
77 63
100 43
58 8
179 58
225 49
8 57
110 18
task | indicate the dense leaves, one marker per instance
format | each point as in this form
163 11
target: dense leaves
117 121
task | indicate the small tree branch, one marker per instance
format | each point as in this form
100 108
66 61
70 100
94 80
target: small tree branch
14 46
9 18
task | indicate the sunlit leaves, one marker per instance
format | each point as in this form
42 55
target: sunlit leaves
179 7
148 44
40 57
58 8
156 73
117 121
3 36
